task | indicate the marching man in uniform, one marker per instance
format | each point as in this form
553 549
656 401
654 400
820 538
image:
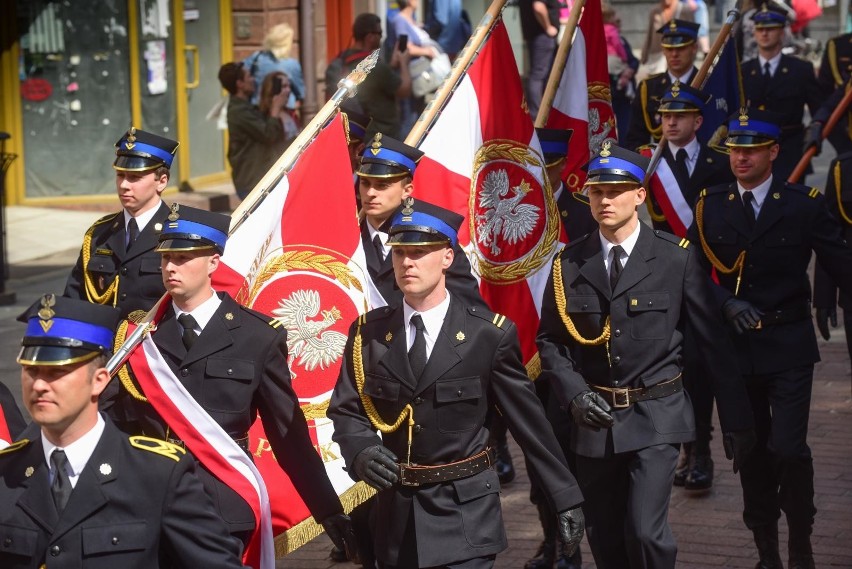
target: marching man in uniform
428 374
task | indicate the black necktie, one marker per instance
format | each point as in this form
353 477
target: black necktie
767 74
615 268
380 251
132 232
680 160
417 353
61 487
748 199
188 324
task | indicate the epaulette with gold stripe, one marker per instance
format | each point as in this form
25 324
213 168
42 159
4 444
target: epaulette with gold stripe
810 191
682 242
275 323
157 446
498 320
106 218
813 193
15 446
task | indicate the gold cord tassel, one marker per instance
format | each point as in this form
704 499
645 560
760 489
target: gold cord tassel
559 294
714 260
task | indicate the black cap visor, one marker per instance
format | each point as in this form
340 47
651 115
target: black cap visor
382 169
678 107
677 41
612 177
749 140
187 242
57 351
418 235
136 163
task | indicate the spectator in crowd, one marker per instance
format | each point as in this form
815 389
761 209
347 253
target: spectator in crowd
653 61
275 56
254 138
273 84
702 18
540 26
622 69
419 45
449 25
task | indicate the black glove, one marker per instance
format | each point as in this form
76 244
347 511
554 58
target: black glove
339 530
823 316
376 465
591 410
742 315
738 446
571 528
813 137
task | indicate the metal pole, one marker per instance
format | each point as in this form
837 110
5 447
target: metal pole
6 159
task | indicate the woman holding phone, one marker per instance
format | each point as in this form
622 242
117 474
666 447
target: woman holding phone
273 84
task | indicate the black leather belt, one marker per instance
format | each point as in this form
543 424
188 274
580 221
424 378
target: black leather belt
242 442
417 475
623 397
785 315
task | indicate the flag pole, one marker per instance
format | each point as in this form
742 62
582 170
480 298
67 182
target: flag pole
559 63
464 60
699 80
347 87
832 121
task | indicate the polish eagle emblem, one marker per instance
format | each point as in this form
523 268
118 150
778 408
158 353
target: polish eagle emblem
504 216
308 337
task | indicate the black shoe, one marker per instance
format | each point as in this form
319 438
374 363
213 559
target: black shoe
503 465
682 468
544 556
700 475
800 552
766 540
337 555
570 562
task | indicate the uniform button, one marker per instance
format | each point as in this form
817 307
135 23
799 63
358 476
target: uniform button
379 390
617 333
123 296
7 542
750 266
719 237
230 371
124 270
585 306
650 303
616 359
750 285
418 400
615 383
115 540
54 551
184 372
417 428
488 485
459 393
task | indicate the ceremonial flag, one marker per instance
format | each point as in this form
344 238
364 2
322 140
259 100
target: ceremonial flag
5 436
483 159
583 102
299 259
725 85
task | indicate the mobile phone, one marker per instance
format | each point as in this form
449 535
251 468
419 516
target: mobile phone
402 43
277 85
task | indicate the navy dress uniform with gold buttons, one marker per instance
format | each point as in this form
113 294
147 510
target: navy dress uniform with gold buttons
764 263
235 369
137 502
625 346
442 513
792 85
386 157
108 270
645 126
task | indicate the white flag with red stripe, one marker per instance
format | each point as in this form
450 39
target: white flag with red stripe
5 436
299 259
483 159
583 102
668 195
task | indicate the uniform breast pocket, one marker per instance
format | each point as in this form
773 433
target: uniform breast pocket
720 236
150 282
648 312
18 541
115 538
149 265
381 387
102 264
457 404
228 384
586 313
786 238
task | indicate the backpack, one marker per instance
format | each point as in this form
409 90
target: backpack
340 67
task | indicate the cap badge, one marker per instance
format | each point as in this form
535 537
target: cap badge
676 89
376 145
174 216
105 469
388 337
743 117
46 312
408 208
673 25
131 138
605 153
765 9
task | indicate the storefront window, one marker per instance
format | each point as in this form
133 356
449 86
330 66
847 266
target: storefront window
75 93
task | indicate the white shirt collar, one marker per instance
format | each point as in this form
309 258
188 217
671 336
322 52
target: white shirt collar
78 452
683 79
143 218
773 63
628 245
433 319
692 149
382 235
759 193
558 193
203 313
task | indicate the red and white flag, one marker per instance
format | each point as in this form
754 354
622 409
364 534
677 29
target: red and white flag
299 259
483 160
669 197
5 436
583 102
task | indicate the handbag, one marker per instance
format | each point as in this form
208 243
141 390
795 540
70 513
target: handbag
428 74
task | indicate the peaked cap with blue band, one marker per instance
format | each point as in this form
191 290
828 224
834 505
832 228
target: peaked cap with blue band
678 33
422 223
356 121
682 98
138 151
554 143
386 157
616 165
769 17
753 127
189 229
62 331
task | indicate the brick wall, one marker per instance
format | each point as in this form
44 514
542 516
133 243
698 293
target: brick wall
251 19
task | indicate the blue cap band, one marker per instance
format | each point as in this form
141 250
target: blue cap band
184 226
72 329
767 129
421 219
683 96
554 147
391 156
150 149
614 163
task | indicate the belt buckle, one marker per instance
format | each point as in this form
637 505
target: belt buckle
620 397
402 479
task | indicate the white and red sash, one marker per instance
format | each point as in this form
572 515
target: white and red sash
667 192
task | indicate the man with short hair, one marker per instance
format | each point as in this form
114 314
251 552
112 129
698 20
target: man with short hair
429 373
76 492
758 235
255 139
233 362
613 320
679 48
117 265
